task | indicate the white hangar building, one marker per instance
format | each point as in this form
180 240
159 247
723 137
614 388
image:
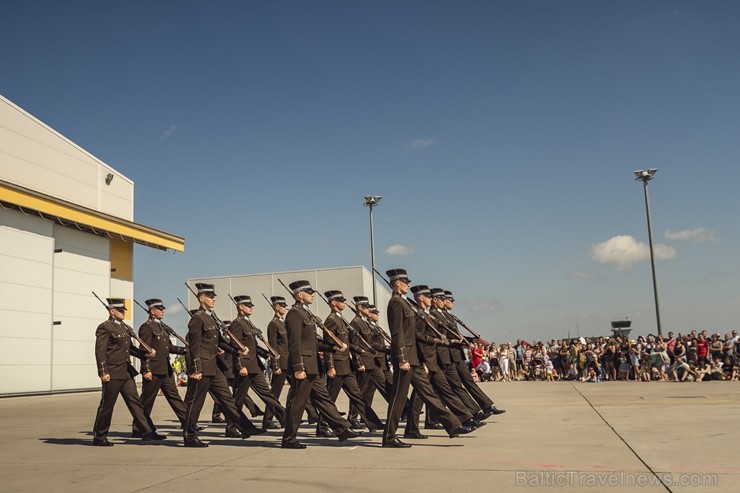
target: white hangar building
66 229
351 281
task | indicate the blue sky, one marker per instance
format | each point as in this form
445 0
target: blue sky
501 135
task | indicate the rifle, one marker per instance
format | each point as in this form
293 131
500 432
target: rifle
244 349
415 308
349 327
259 335
318 321
166 327
477 336
129 330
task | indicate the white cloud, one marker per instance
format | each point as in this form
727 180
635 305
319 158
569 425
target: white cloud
174 309
421 143
623 251
588 276
167 133
483 305
399 249
697 235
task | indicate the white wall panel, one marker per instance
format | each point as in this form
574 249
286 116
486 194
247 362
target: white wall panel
28 368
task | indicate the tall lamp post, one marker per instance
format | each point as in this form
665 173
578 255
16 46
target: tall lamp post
645 176
371 201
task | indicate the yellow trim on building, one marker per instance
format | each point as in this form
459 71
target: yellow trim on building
99 222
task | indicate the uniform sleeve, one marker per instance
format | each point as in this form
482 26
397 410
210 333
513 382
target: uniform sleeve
101 349
195 333
294 326
329 355
395 324
272 336
146 335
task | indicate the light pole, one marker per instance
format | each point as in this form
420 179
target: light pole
645 177
371 201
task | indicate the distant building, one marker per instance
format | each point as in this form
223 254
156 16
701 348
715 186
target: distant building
66 229
352 281
621 328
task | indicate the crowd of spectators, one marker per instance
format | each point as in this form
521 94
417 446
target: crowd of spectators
694 357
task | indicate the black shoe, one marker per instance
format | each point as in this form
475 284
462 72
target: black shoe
474 423
356 425
136 434
234 434
257 413
271 426
396 443
313 421
495 410
293 445
195 442
101 442
433 426
483 415
256 431
462 430
153 436
218 419
415 436
342 413
324 434
347 434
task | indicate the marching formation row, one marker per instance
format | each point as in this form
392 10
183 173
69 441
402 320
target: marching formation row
425 350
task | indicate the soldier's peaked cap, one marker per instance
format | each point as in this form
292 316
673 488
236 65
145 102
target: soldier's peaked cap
302 285
154 303
395 274
117 303
243 299
438 292
361 300
205 288
420 289
334 295
278 300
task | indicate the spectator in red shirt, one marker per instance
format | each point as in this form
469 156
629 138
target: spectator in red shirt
702 348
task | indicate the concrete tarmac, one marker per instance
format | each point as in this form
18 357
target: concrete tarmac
556 436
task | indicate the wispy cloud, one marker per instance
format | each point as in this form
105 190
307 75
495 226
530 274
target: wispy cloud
174 309
697 235
587 276
168 133
483 305
623 251
399 249
421 143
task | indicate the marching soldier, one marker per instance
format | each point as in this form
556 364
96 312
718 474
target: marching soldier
434 353
157 371
303 348
278 339
338 365
480 397
370 375
407 367
204 339
112 350
381 357
250 366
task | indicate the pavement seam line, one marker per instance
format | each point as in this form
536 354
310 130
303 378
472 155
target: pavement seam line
634 452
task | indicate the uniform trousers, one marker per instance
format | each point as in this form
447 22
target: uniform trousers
418 378
459 388
370 381
476 393
313 414
352 389
257 382
127 389
149 391
311 388
276 387
441 388
218 388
